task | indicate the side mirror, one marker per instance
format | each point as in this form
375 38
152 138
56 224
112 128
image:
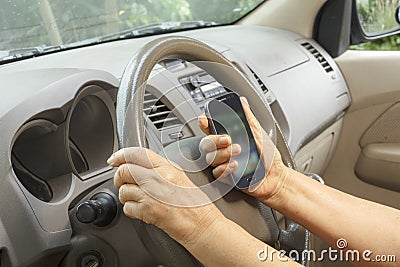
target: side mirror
378 17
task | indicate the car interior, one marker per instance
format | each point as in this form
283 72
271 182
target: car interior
63 113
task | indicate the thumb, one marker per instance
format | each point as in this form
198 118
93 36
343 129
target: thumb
203 123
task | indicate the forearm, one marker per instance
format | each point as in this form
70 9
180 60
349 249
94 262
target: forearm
331 214
227 244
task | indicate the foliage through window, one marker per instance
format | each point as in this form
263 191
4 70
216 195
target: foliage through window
377 17
28 23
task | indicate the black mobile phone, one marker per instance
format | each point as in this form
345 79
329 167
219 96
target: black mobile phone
226 116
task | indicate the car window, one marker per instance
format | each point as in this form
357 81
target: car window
54 23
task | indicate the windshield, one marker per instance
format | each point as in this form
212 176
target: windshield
31 27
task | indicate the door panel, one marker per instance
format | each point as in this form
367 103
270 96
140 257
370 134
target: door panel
370 132
373 118
379 161
379 164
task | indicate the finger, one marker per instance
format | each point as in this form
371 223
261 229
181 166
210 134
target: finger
135 155
217 157
246 108
251 118
222 171
203 123
253 122
130 192
130 174
133 210
213 142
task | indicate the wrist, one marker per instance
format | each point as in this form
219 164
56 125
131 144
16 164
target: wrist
205 233
195 224
280 194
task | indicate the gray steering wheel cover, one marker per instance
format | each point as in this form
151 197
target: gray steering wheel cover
138 70
131 97
131 90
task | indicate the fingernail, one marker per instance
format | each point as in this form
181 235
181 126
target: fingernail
244 99
232 164
236 149
111 160
224 140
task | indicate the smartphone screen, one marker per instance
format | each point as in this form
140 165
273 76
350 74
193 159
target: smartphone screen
226 116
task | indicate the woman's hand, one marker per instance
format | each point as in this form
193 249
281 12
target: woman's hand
221 155
158 192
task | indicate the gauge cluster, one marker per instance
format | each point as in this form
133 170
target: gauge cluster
59 144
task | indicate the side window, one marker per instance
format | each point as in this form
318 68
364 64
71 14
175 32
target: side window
379 18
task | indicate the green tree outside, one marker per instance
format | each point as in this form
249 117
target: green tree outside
388 43
24 23
378 16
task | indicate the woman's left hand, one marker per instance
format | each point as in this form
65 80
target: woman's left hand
158 192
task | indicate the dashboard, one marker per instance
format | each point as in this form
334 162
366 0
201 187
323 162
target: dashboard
58 122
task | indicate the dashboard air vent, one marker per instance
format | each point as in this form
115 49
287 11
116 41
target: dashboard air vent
158 113
262 85
320 58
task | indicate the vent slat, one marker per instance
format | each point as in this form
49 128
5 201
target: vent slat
318 56
259 81
152 115
149 102
170 119
158 113
157 107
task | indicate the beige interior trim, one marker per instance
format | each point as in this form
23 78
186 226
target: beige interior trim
295 16
384 152
372 76
341 174
379 164
386 129
315 156
374 84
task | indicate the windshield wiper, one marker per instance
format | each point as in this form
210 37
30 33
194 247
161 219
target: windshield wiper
156 28
28 52
149 29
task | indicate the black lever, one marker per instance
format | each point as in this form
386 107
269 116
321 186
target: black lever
100 210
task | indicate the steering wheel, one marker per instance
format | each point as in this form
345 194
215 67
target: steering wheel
252 215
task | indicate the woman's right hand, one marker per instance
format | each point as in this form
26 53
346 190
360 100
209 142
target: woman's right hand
220 154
